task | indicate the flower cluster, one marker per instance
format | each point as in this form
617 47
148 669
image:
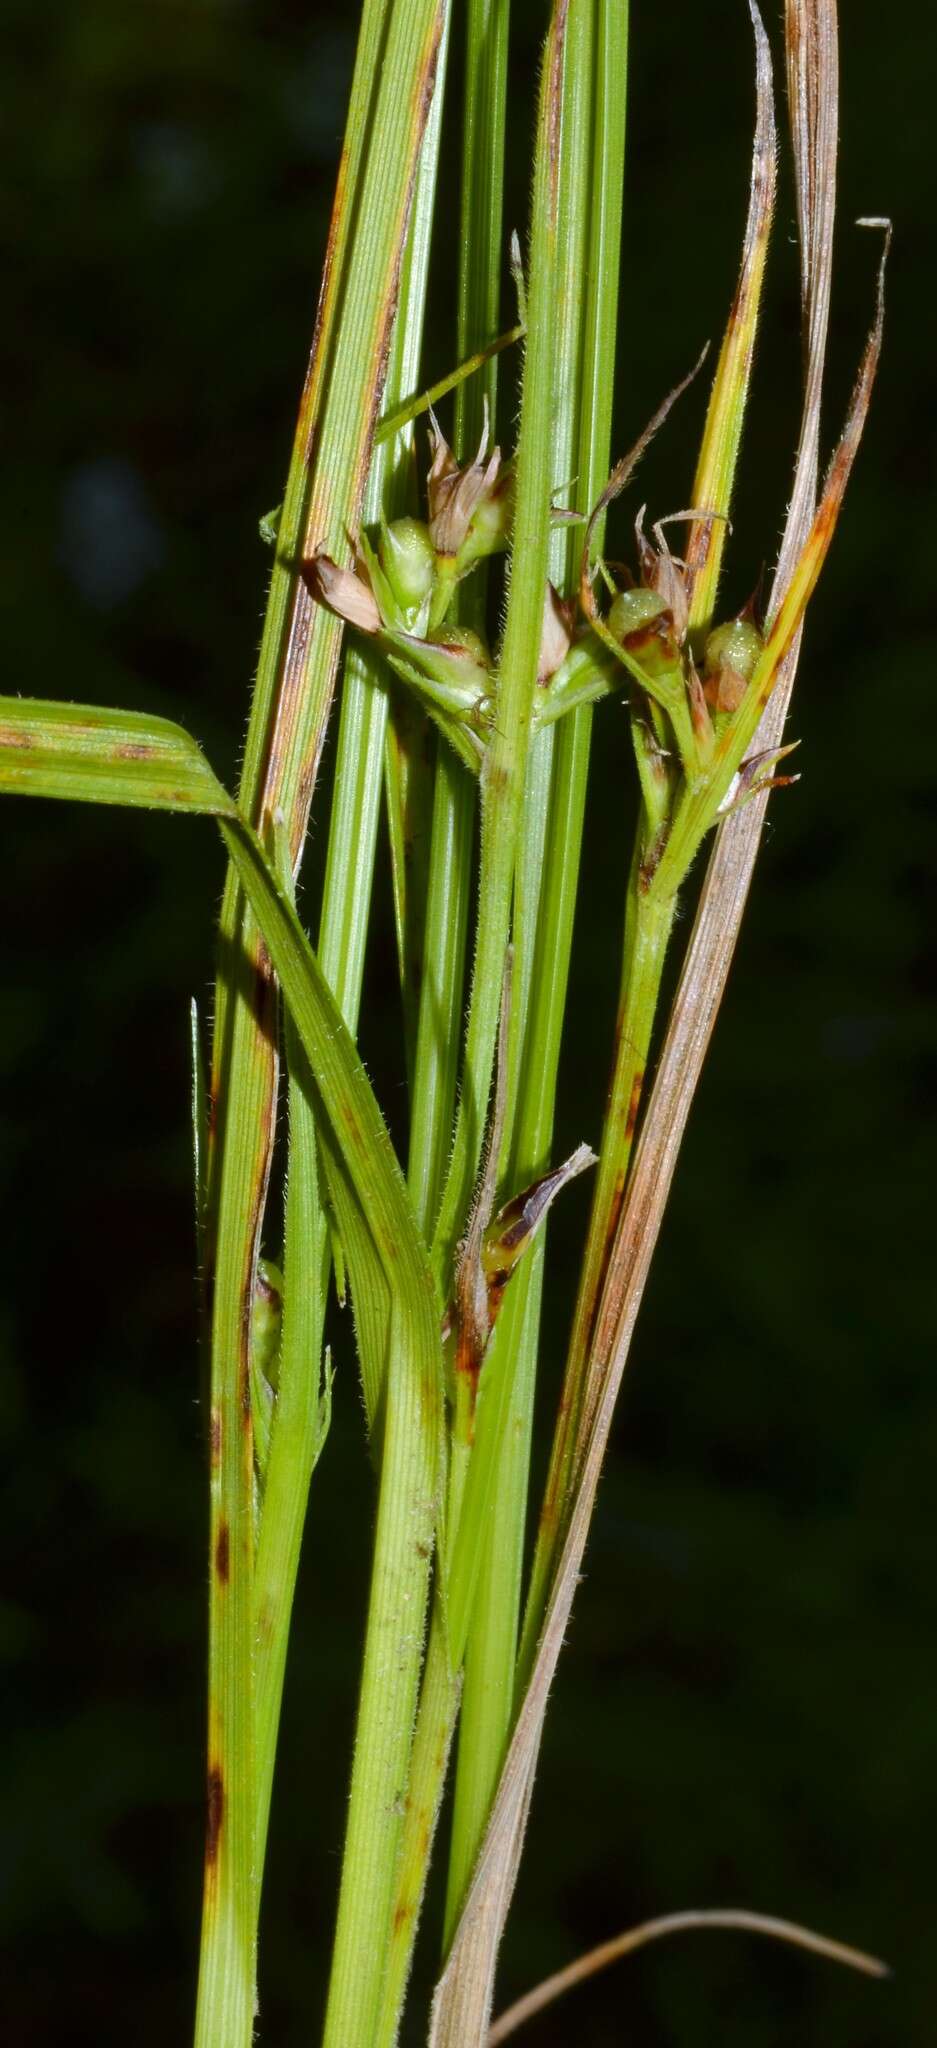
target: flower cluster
403 583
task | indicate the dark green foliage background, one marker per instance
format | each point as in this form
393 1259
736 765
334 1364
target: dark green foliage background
747 1711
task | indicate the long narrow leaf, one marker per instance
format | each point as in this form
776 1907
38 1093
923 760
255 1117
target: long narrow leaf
385 1237
391 95
346 1101
104 757
299 1422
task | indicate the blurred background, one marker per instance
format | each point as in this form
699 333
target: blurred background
747 1709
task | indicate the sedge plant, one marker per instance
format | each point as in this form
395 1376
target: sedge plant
449 601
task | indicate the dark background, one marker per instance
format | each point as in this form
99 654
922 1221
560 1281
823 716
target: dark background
747 1709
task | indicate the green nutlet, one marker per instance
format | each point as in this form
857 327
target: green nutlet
408 559
633 610
732 654
641 621
489 529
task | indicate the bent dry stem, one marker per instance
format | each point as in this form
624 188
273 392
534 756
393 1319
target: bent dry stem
467 733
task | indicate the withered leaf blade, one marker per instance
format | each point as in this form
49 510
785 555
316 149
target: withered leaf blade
722 434
805 571
812 49
734 1919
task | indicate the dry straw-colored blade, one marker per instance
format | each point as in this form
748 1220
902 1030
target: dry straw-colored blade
731 1919
806 569
715 470
813 94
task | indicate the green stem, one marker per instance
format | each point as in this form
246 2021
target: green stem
447 908
647 931
296 1433
288 714
507 764
439 1700
297 1437
387 1710
486 1592
395 1302
488 1560
481 227
504 767
400 1575
436 1065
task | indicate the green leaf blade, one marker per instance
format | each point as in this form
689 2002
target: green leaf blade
100 756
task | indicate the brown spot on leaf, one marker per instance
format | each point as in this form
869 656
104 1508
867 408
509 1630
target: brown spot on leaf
134 750
223 1554
633 1104
214 1438
304 786
555 104
426 78
13 736
548 1512
214 1816
497 1283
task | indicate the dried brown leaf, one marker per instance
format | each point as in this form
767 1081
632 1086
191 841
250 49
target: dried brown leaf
715 470
734 1919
